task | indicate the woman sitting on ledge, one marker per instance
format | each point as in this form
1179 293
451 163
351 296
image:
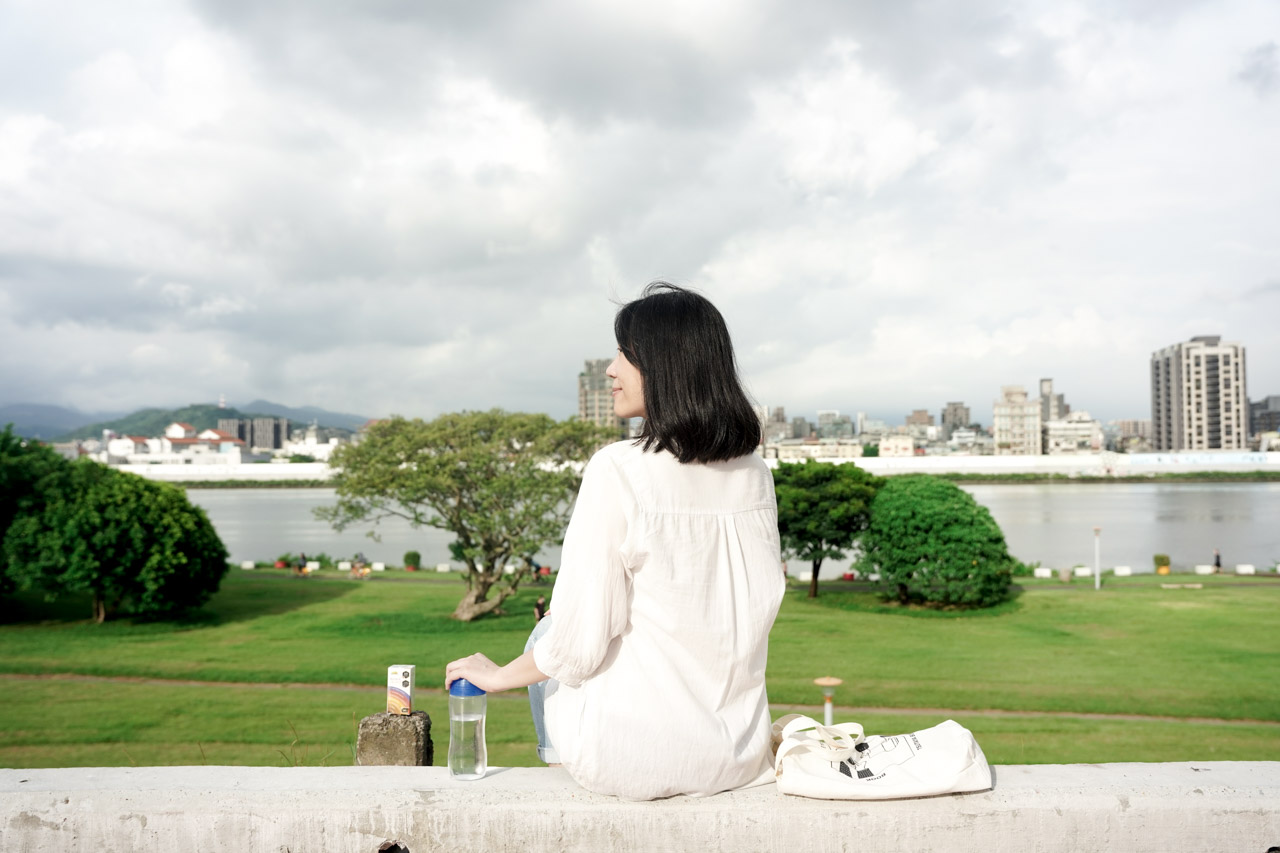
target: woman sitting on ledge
647 676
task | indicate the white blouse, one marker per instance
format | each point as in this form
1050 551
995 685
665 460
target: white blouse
670 579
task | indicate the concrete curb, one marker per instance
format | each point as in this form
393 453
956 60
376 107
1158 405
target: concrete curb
1201 806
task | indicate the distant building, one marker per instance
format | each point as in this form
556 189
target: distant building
1076 433
308 443
871 427
796 450
954 416
920 417
1053 407
970 442
595 397
801 428
1264 415
897 445
1015 425
257 433
832 424
1133 428
1198 399
773 424
1128 435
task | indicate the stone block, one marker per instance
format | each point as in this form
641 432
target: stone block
442 567
379 567
344 565
395 739
1204 570
1083 572
246 564
1123 571
1043 572
1246 569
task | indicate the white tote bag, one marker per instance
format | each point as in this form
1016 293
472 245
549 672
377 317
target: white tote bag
840 762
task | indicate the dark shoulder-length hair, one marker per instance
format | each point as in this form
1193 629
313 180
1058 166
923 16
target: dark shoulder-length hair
695 407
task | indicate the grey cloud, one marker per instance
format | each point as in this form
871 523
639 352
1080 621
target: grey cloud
1260 69
574 61
1267 288
47 292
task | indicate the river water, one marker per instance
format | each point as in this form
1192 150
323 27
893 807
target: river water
1049 523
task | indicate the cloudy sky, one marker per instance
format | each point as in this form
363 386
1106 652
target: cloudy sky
419 207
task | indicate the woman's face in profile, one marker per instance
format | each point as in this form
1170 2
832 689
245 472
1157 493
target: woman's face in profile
628 388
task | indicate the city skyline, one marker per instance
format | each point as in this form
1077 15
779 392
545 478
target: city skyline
894 206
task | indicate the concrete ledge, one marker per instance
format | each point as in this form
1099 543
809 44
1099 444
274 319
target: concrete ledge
1209 806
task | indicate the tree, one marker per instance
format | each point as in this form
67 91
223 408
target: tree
933 544
822 508
28 472
870 451
502 482
130 543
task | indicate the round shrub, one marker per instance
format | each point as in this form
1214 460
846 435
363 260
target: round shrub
933 544
130 543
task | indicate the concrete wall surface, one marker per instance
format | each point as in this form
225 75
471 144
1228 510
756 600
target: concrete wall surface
1129 808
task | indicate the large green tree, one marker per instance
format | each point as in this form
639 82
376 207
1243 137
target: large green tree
502 482
130 543
933 544
822 509
29 471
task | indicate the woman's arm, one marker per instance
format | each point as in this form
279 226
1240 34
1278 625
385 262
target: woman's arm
490 677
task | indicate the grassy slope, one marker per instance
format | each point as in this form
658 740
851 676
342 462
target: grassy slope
1133 648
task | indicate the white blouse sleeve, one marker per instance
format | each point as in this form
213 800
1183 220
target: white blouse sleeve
589 607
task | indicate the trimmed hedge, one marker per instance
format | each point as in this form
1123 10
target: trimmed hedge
933 544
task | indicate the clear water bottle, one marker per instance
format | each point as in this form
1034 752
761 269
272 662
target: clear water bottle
468 758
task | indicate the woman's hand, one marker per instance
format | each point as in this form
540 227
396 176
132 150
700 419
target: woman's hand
477 669
490 677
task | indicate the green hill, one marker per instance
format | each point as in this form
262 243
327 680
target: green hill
151 422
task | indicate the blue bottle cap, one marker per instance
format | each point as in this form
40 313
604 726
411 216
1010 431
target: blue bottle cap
462 687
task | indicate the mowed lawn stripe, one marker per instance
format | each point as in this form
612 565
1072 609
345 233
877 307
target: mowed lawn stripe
1146 657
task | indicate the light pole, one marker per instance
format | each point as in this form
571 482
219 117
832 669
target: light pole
828 683
1097 558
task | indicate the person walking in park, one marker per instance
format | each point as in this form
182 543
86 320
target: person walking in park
1217 561
647 678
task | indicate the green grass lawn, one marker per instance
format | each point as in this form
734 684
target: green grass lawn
1133 648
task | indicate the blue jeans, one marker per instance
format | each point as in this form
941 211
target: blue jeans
537 699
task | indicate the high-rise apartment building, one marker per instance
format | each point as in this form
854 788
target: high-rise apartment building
1198 399
955 416
920 417
1053 407
1015 425
595 397
259 433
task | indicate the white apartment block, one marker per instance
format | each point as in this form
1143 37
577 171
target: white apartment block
897 446
1015 425
1076 433
1198 399
797 450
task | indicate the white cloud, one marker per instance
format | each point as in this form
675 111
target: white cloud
839 127
893 205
